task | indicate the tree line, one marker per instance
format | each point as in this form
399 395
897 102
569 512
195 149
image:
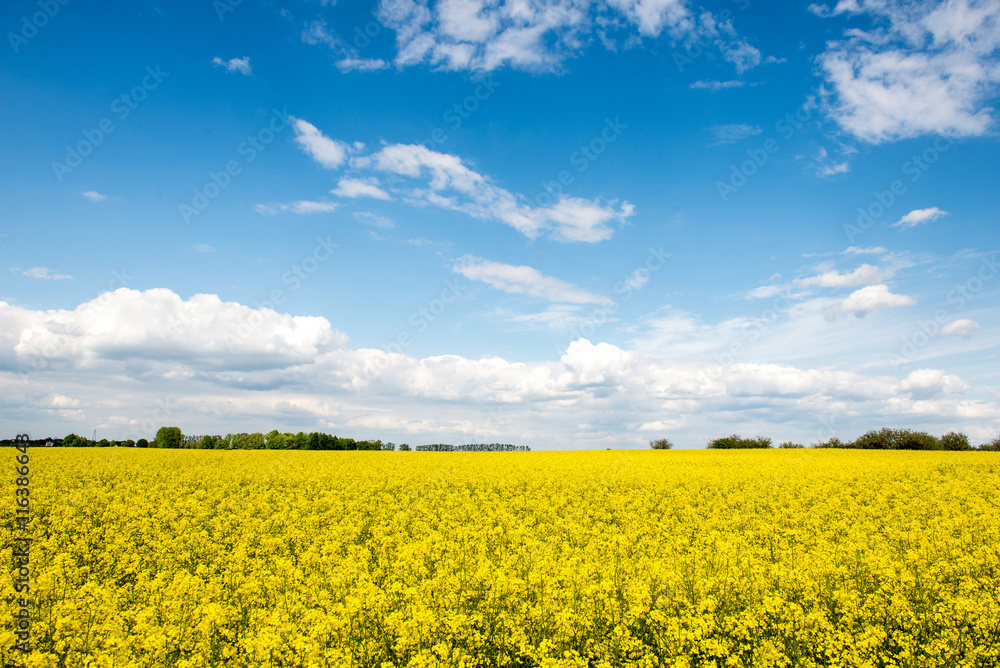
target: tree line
885 438
173 438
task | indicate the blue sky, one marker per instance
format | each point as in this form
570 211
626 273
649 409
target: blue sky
567 224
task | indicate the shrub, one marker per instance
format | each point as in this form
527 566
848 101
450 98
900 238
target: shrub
788 445
830 443
737 442
992 446
953 441
661 444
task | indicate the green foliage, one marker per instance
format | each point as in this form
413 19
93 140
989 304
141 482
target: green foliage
404 447
142 443
788 445
830 443
953 441
991 446
737 442
661 444
103 443
887 438
168 437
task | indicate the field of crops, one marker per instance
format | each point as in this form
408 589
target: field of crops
673 558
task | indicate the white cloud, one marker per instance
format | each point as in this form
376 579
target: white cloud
485 35
864 274
94 196
870 298
731 134
369 187
301 207
351 64
44 272
925 383
524 280
962 327
241 65
329 153
856 250
201 248
827 168
717 85
919 217
451 184
928 67
210 366
374 219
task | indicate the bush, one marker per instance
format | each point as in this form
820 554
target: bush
142 443
830 443
895 439
404 447
737 442
788 445
953 441
992 446
661 444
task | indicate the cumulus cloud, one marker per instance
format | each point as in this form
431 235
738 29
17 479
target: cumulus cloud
919 217
926 67
212 366
241 65
925 383
870 298
526 280
962 327
369 187
329 153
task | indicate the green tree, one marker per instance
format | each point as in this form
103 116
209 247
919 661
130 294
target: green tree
168 437
789 445
953 441
103 443
737 442
661 444
142 443
404 447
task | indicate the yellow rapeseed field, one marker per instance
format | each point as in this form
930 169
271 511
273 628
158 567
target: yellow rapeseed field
700 558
